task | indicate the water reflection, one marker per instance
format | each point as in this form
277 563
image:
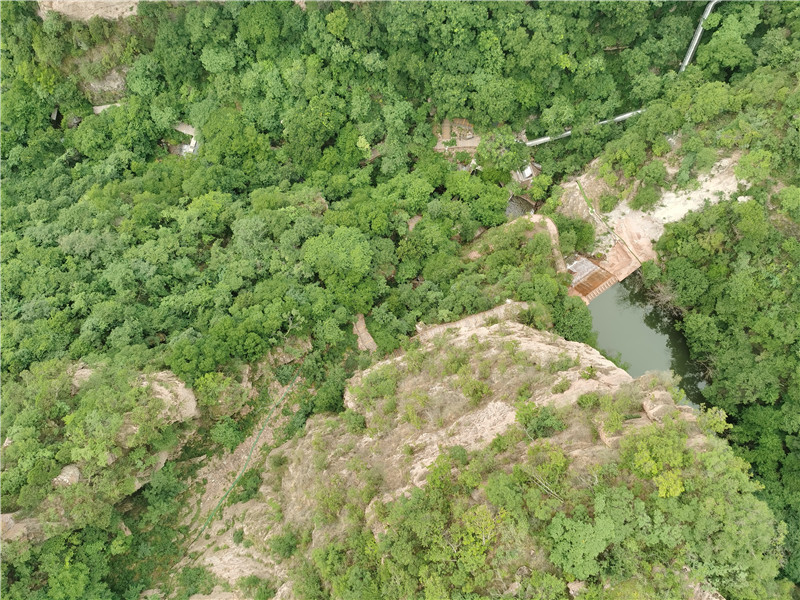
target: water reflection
644 336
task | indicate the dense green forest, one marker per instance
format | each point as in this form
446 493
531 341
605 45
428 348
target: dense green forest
315 130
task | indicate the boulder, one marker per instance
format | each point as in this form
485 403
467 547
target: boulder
70 475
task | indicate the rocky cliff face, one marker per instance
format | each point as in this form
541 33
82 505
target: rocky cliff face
460 386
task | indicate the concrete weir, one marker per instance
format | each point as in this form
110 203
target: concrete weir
590 277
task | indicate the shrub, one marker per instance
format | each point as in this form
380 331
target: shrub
589 400
415 358
330 395
256 588
539 421
536 316
543 586
227 434
562 363
474 389
613 421
459 455
238 536
608 202
380 383
646 198
276 461
353 421
330 498
194 580
247 487
285 373
285 544
654 173
454 360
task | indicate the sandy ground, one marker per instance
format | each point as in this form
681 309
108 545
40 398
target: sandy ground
84 10
635 227
626 236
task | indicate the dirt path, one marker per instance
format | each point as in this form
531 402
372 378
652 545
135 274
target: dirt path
365 341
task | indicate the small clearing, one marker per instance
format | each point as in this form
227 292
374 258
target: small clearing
626 236
718 184
82 10
110 87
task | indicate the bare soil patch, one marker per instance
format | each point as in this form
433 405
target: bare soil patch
83 10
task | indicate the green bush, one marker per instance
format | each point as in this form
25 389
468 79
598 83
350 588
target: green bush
285 544
256 588
194 580
536 316
589 400
247 487
474 390
454 360
227 434
539 421
608 202
646 198
354 422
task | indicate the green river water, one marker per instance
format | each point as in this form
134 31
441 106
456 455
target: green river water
643 336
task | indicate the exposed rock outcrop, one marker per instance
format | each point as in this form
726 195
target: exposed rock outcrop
69 475
365 341
180 403
416 406
177 404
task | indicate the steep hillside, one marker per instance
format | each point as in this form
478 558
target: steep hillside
496 459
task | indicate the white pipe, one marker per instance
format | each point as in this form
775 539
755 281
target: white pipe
697 35
619 118
622 117
544 140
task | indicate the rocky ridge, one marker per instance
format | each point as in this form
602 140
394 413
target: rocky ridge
406 410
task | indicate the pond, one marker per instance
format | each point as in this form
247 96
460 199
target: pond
643 336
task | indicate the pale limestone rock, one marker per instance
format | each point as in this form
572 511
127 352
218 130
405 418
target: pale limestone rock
69 475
